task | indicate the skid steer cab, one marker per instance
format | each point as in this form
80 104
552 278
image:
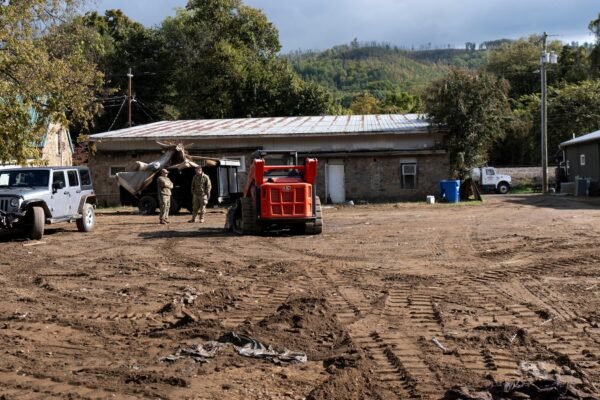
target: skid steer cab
279 195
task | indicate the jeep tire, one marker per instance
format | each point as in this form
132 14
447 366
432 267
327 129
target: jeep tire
88 219
38 219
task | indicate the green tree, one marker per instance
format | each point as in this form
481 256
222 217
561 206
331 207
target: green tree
574 64
120 44
521 143
519 63
365 103
399 102
221 60
573 110
475 110
44 74
594 27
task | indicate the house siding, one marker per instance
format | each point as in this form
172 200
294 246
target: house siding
591 169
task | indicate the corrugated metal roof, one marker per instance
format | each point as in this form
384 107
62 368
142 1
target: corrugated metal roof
582 139
277 126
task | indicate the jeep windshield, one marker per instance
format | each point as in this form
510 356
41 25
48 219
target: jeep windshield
24 178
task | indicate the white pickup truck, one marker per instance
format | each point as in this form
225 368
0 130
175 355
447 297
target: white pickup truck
488 179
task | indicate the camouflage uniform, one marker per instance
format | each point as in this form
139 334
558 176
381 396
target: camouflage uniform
164 197
201 191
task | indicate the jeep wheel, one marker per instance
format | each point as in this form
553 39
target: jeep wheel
38 219
88 219
147 205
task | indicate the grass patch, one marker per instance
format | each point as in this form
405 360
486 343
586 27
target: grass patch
524 189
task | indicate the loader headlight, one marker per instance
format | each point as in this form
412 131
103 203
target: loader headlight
14 202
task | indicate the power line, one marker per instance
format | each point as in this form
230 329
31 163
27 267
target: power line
143 107
118 113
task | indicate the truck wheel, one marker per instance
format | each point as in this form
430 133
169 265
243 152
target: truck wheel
147 205
503 188
315 228
38 219
88 219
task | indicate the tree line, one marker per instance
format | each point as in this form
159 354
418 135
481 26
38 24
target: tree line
493 113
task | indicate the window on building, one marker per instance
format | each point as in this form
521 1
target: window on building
409 176
73 180
114 170
582 160
242 159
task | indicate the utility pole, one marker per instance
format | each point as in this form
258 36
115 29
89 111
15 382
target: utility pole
546 58
129 98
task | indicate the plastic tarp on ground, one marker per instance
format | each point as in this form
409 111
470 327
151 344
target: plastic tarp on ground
244 345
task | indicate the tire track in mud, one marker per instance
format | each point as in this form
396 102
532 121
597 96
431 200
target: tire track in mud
260 301
494 311
399 365
14 385
516 309
402 365
390 371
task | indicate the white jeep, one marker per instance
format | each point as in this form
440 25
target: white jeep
30 198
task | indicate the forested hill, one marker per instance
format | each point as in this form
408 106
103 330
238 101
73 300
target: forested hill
371 67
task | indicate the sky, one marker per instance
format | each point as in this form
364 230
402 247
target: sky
321 24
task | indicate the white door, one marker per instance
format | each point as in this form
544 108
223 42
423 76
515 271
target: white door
336 190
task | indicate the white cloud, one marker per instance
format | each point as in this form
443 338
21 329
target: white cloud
320 24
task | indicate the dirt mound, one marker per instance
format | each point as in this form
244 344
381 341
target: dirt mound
306 324
348 383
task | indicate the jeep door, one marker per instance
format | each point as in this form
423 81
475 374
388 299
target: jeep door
59 201
74 190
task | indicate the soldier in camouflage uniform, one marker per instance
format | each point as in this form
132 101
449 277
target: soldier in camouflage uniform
164 195
201 191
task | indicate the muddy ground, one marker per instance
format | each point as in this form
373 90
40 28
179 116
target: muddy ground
506 286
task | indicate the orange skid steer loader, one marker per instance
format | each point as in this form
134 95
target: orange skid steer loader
279 194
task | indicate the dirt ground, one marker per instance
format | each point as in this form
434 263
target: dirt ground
509 288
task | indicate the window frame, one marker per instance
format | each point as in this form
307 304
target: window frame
404 175
241 159
120 168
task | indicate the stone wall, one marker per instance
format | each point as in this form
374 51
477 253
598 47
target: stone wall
380 178
526 175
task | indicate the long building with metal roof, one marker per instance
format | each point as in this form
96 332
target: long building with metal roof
271 127
361 157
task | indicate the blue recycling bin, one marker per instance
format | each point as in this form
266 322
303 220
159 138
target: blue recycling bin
450 190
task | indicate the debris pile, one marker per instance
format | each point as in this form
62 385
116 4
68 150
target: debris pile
542 389
244 345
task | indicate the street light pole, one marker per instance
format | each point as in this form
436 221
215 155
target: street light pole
546 58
